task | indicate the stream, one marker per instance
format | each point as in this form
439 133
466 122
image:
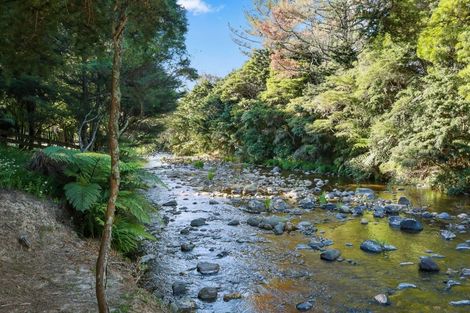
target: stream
236 239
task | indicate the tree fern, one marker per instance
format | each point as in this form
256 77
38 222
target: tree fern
82 196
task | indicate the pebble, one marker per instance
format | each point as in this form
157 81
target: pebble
232 296
304 306
382 299
402 286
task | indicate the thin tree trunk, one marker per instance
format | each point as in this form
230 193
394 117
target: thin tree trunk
119 23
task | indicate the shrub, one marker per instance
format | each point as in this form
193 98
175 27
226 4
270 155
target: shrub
84 178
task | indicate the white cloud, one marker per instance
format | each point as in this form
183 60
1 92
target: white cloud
196 6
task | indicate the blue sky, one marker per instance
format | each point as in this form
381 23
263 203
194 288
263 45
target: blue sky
208 40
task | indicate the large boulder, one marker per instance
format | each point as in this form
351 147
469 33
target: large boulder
427 264
411 225
307 203
330 255
208 294
206 268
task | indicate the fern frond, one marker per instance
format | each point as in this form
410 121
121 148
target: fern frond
82 196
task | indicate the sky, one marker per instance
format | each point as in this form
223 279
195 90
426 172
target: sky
208 40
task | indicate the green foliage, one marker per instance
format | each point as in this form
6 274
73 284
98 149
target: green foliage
14 173
87 192
390 105
322 198
82 196
211 174
198 164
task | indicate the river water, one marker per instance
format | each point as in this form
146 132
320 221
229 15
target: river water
273 273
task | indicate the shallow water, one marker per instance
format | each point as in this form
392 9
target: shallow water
273 276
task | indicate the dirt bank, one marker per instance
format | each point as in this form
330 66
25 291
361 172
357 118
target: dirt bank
46 267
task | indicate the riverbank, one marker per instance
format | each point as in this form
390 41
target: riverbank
233 238
46 267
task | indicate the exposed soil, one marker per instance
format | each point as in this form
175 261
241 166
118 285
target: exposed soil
56 272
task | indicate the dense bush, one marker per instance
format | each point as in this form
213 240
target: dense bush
84 178
393 104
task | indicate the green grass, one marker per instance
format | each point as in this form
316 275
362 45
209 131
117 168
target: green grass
211 174
14 173
198 164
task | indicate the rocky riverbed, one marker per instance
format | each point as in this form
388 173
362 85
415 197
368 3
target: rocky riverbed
245 239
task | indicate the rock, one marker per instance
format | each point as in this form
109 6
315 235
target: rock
392 209
389 247
279 228
213 202
463 247
466 272
254 221
379 212
460 303
447 235
444 216
274 220
329 206
206 268
345 209
147 258
265 226
187 247
304 306
411 225
255 207
402 286
198 222
395 221
359 210
185 231
365 192
208 294
382 299
306 227
250 190
276 170
330 255
427 215
233 223
427 264
179 288
232 296
307 203
371 246
406 263
318 243
222 254
184 305
170 203
462 216
451 283
279 205
341 216
404 201
24 241
364 221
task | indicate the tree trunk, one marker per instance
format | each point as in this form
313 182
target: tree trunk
119 23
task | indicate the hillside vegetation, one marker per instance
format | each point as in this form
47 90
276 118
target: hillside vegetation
368 89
